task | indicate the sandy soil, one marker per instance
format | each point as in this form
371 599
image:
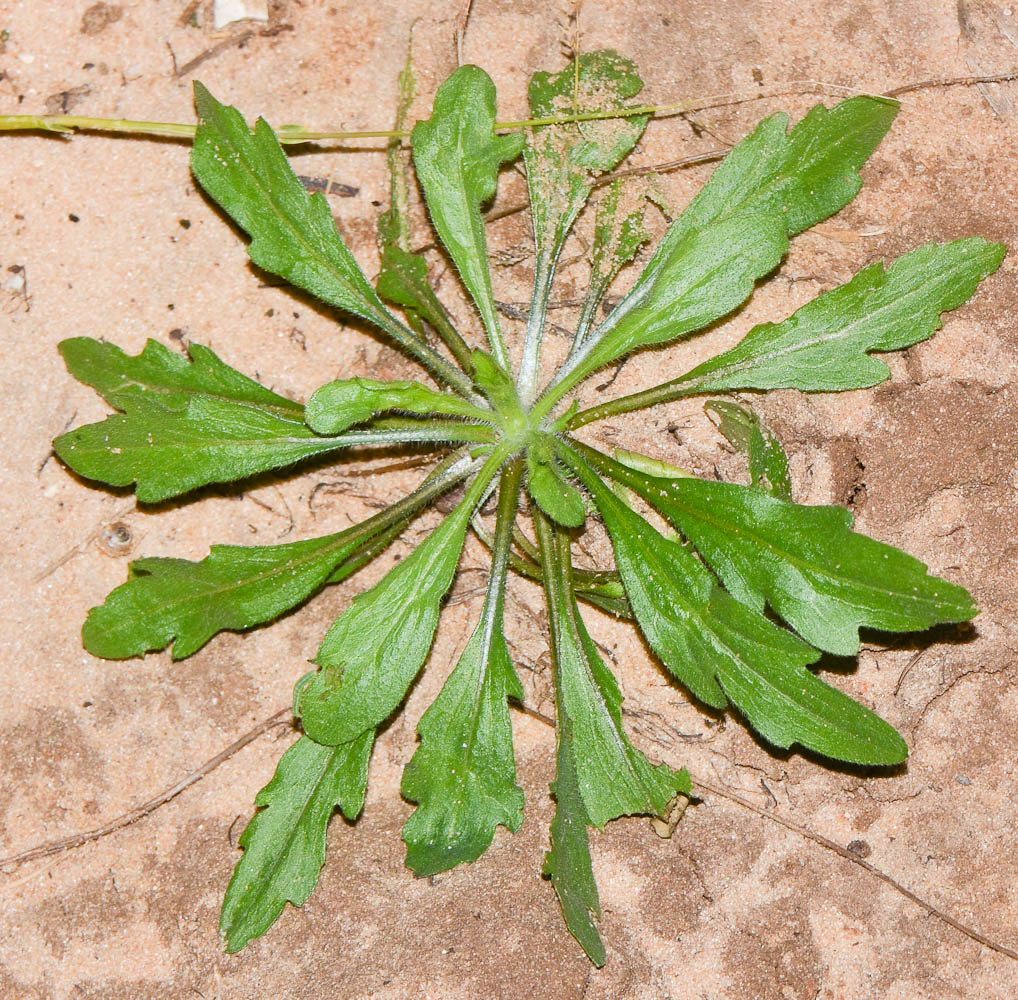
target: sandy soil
108 238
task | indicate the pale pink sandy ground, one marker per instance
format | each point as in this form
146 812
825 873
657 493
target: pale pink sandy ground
732 906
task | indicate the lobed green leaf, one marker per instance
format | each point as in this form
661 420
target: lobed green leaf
721 649
457 157
567 864
235 587
825 345
284 843
168 452
804 175
342 404
706 275
375 649
549 488
615 779
463 775
167 377
600 775
292 234
821 577
239 586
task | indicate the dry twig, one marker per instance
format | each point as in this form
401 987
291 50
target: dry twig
140 812
78 840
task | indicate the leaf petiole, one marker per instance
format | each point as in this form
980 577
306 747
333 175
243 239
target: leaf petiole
602 588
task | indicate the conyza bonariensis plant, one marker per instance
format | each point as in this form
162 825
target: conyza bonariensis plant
742 593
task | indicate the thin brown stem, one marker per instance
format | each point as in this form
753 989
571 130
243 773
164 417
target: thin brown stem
140 812
952 81
844 852
134 815
830 845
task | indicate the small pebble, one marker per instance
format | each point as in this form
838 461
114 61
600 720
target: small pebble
115 539
225 12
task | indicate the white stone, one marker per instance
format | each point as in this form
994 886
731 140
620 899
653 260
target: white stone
225 12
